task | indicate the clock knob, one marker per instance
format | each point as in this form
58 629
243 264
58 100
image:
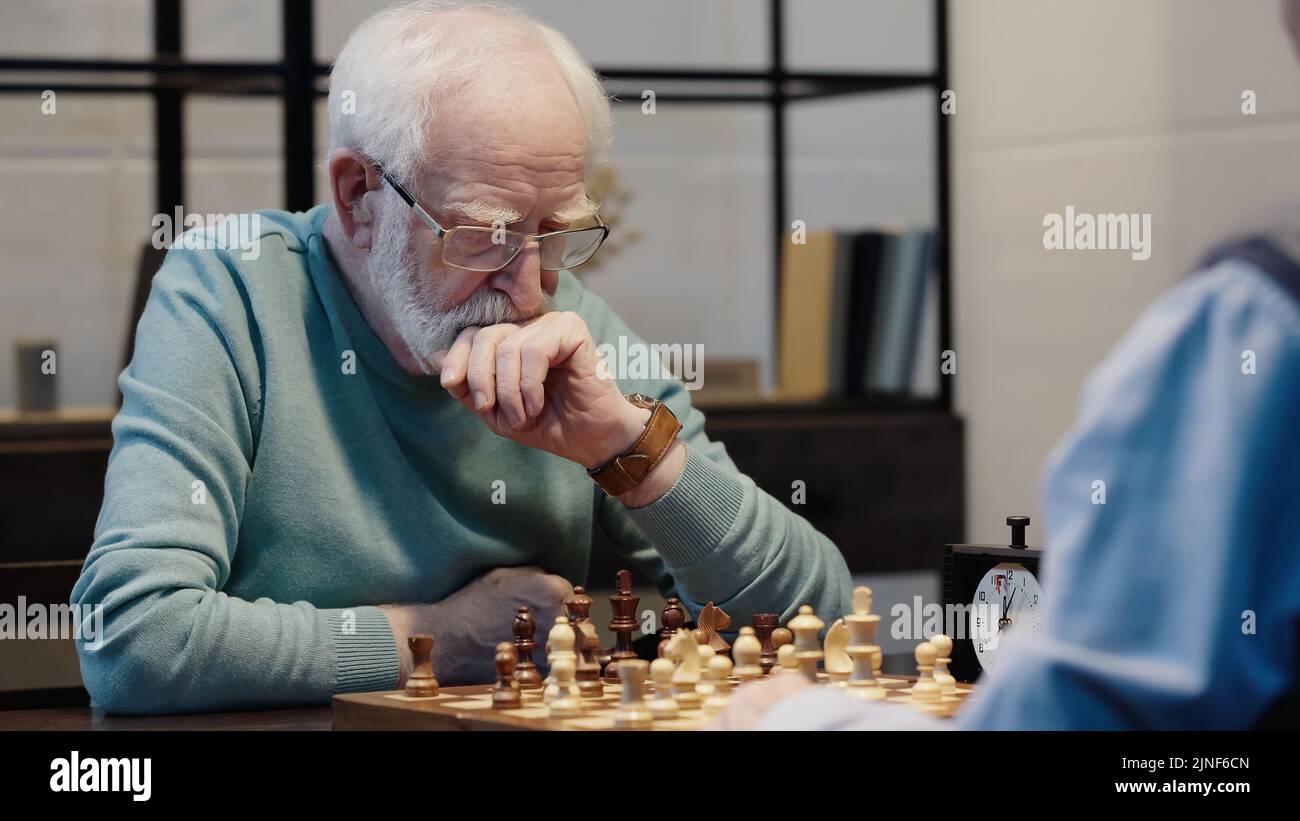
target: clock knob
1018 525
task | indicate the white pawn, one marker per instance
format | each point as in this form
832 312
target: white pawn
718 670
664 704
703 647
632 712
786 661
682 649
567 702
562 692
943 646
747 651
925 690
560 641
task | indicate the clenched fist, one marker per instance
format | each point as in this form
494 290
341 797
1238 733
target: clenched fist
467 625
537 382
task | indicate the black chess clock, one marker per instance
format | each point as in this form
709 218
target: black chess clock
994 589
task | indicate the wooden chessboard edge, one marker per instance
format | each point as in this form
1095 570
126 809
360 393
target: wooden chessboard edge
379 711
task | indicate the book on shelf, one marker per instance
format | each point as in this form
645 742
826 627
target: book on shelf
858 314
807 280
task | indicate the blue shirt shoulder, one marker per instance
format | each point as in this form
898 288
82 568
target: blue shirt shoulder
1172 565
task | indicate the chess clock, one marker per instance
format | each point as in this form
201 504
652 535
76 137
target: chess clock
993 589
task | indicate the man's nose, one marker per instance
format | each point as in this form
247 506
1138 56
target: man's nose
521 280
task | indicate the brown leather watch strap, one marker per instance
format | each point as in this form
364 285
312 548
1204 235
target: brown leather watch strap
627 471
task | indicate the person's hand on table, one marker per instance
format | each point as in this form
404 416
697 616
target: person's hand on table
467 625
540 383
752 701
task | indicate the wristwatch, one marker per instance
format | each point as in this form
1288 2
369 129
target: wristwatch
627 471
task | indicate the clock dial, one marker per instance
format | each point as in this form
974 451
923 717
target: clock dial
1007 598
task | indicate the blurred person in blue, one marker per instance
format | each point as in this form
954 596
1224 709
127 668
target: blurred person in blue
1175 605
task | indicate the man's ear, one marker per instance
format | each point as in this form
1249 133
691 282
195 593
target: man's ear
352 176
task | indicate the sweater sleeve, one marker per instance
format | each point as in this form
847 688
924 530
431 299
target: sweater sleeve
184 443
715 536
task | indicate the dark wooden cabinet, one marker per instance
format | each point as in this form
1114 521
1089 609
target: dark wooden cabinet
51 483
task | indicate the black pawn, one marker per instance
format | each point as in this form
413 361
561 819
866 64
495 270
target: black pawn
525 668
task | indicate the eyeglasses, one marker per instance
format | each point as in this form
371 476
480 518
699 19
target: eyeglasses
484 249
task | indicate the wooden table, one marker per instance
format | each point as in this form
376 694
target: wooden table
86 718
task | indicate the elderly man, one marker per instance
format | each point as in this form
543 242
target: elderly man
390 421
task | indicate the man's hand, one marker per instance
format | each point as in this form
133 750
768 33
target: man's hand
538 383
467 625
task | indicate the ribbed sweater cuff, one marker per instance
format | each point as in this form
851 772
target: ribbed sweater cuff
364 650
691 519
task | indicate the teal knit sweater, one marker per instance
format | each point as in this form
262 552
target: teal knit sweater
262 496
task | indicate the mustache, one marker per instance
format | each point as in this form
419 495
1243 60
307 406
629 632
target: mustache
493 307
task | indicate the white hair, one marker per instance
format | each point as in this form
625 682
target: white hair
406 64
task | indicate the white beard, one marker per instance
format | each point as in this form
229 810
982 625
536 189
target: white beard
413 298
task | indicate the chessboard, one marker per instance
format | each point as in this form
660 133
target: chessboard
685 688
470 708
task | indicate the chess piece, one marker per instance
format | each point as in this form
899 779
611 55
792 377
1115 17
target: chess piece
664 704
807 630
786 661
632 712
562 695
703 647
836 661
781 636
925 690
559 642
506 695
943 647
586 643
624 624
421 683
578 606
764 624
712 620
719 669
525 668
706 685
567 701
685 652
748 653
862 647
672 618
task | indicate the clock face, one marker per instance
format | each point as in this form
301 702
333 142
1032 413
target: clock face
1007 598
